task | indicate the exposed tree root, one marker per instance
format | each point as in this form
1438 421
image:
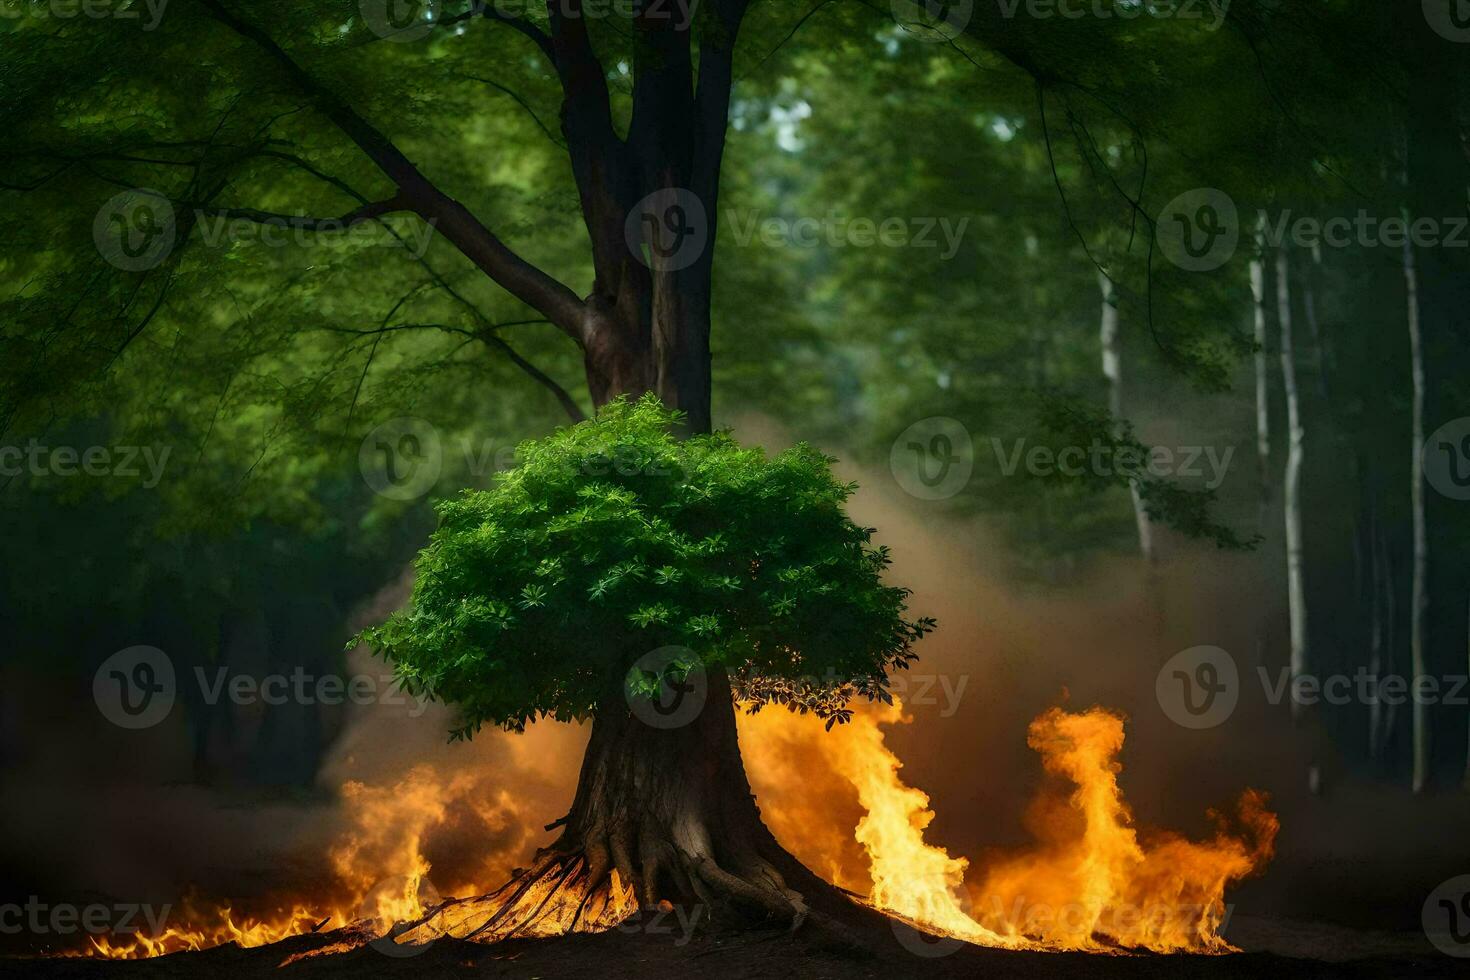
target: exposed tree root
664 822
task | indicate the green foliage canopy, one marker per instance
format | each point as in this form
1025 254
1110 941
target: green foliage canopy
612 539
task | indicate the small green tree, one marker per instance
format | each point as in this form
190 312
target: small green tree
624 574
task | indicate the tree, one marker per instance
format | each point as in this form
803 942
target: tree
1291 482
618 562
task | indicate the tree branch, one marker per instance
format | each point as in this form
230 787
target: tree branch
453 220
599 158
712 97
482 8
519 101
487 336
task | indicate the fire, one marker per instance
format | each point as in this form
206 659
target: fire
1093 881
214 927
379 873
1091 884
911 878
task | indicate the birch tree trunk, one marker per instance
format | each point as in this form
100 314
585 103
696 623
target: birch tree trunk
1291 484
1419 601
1263 384
1112 369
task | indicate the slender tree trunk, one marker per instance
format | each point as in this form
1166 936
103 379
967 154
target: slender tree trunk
1419 601
1436 174
1112 369
1390 637
1375 638
1263 378
1291 484
1310 281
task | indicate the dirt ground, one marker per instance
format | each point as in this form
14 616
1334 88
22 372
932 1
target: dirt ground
1274 949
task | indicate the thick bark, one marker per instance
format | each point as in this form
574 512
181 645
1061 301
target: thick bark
672 812
669 810
667 814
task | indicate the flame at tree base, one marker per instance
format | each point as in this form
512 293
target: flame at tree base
1092 883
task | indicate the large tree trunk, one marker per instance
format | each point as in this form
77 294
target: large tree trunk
668 810
671 810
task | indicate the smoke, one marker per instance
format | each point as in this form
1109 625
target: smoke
97 814
1357 850
92 811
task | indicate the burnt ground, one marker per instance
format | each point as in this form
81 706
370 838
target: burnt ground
1275 949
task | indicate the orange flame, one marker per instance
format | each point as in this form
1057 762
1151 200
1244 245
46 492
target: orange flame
1091 883
1091 886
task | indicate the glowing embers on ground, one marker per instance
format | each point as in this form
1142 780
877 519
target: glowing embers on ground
1090 883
